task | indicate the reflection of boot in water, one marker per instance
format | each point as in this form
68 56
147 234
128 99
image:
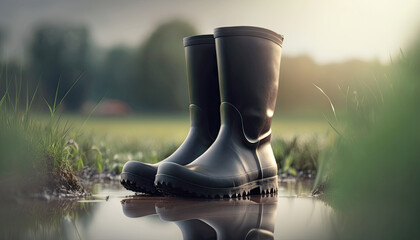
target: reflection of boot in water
139 206
144 206
232 219
196 229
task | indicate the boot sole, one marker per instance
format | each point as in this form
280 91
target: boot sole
170 185
136 183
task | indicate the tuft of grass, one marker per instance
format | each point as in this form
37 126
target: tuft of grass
114 150
43 146
296 156
371 172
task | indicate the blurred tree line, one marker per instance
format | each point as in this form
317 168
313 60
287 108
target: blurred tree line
152 76
60 54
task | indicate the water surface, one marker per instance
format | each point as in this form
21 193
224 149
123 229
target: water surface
115 213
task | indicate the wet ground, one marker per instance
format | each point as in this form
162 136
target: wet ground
115 213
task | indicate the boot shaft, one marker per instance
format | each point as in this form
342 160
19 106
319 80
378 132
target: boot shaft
249 65
203 82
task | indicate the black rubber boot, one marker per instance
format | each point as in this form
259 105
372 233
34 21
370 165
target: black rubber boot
203 85
231 219
241 159
145 206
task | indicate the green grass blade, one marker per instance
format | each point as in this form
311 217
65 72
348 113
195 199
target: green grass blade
89 116
4 96
49 107
56 94
402 54
9 98
334 128
28 106
331 104
65 95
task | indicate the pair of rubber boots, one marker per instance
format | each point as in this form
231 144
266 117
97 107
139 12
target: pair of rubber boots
233 82
251 218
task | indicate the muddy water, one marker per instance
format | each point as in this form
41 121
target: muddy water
114 213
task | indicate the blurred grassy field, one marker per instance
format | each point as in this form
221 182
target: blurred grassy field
151 138
174 128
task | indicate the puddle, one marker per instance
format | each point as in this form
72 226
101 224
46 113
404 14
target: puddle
114 213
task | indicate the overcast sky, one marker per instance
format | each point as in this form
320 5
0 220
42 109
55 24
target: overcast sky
327 30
